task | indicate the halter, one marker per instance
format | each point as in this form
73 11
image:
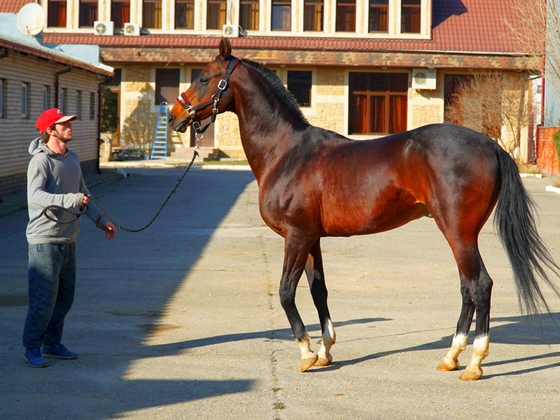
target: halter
215 99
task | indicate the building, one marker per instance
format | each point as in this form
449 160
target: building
34 77
361 68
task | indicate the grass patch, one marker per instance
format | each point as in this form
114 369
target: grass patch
233 162
528 169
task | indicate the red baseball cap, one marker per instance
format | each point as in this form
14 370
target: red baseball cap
50 117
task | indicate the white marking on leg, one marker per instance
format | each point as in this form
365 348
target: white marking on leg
305 348
481 346
329 338
451 360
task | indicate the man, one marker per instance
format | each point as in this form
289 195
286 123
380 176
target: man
54 178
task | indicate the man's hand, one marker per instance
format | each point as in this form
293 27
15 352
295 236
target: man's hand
110 231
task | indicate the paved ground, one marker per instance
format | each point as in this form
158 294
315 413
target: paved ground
182 321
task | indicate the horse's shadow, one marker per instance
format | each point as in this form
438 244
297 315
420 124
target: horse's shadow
517 330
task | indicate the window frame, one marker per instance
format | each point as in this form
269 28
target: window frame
25 103
301 85
165 79
389 100
189 15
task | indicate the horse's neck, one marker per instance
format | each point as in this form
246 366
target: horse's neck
267 127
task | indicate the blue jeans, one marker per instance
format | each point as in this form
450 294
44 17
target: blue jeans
51 281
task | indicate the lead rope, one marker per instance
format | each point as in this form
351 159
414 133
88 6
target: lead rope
84 209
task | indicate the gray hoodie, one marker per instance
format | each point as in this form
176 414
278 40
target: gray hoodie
55 179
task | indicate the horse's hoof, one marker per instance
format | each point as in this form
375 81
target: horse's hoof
448 365
307 363
469 375
321 361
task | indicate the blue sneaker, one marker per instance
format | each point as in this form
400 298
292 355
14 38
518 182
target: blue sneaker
34 358
58 351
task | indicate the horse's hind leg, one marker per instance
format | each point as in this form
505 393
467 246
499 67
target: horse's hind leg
315 276
476 289
451 360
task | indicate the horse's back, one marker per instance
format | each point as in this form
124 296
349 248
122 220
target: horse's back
376 185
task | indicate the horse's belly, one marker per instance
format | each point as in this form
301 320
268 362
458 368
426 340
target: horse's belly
362 222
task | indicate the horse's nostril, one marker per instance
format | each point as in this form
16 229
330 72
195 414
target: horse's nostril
170 119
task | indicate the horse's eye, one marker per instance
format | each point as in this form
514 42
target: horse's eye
204 80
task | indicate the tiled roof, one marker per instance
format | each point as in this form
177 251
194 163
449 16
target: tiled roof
13 6
468 26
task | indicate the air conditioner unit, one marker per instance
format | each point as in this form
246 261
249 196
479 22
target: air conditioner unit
230 30
103 28
423 79
132 29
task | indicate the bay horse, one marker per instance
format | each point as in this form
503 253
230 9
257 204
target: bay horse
315 183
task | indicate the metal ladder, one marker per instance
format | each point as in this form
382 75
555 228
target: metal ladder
159 145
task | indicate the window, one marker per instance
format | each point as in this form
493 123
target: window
91 105
2 87
345 15
46 97
184 14
79 104
410 16
313 15
216 14
281 15
378 10
120 12
25 91
249 14
167 85
88 13
63 101
57 14
299 84
378 103
151 14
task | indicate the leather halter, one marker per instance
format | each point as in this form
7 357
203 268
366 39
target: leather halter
215 99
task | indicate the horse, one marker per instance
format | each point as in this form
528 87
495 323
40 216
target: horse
315 183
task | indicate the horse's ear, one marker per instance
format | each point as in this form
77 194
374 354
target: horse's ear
225 48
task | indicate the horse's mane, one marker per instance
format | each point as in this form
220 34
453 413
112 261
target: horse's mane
277 87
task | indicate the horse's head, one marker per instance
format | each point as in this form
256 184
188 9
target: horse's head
203 98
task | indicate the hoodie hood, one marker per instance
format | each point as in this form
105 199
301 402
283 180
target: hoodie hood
37 146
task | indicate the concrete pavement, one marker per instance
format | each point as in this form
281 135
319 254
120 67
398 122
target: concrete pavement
183 321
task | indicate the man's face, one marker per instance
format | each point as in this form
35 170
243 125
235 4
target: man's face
63 131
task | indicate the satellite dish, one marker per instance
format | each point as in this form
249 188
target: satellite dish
31 19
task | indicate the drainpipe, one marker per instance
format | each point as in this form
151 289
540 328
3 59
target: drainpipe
56 85
99 90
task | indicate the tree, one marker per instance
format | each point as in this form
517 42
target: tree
493 104
139 127
535 26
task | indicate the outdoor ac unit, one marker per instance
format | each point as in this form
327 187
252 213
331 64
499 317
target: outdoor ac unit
132 29
103 28
230 31
423 79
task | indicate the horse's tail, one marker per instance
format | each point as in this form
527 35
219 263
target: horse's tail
515 222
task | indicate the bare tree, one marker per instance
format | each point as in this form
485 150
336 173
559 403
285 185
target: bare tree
493 104
535 25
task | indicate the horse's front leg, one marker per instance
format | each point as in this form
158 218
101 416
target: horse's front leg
295 257
316 279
